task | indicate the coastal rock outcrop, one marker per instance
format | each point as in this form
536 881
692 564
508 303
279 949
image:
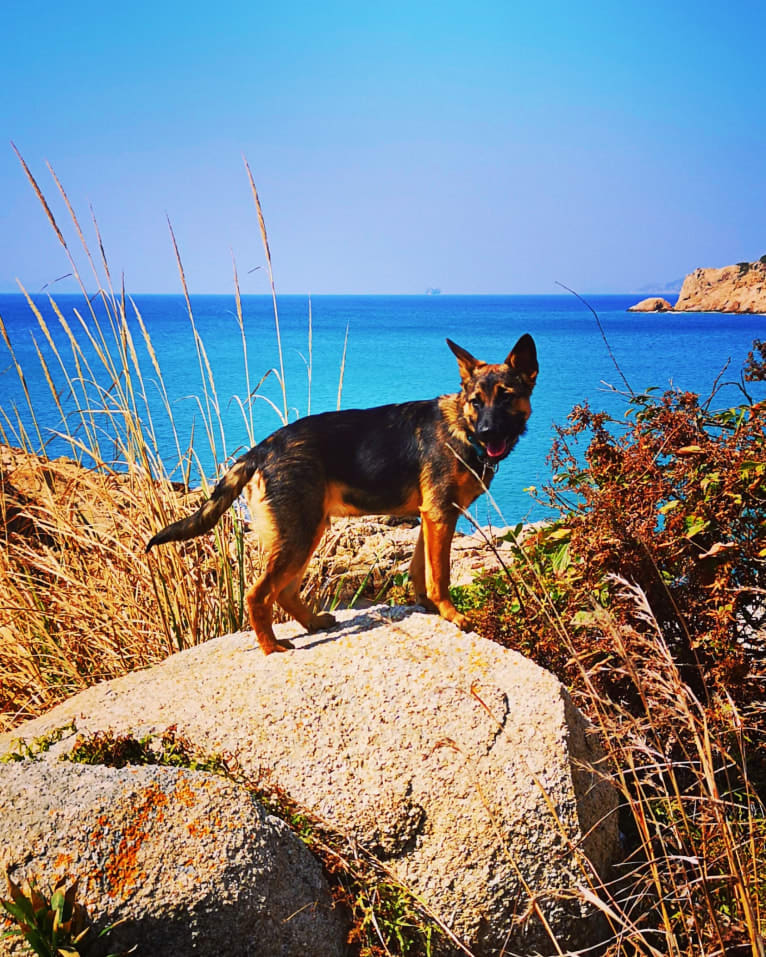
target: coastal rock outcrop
186 861
739 288
461 764
652 304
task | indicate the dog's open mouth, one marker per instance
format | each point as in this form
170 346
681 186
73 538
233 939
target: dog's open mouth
496 448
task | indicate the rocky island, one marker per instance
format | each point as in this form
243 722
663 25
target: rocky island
738 288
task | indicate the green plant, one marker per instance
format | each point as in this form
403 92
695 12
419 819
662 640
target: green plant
169 749
384 916
26 751
52 927
645 597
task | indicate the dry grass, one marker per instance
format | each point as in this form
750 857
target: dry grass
81 600
82 603
693 880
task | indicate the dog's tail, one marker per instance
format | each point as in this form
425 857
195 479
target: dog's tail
225 492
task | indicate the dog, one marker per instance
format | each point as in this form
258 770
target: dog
432 457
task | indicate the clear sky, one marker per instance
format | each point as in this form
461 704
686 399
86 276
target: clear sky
482 147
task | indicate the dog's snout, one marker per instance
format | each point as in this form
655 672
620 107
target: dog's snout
485 430
487 424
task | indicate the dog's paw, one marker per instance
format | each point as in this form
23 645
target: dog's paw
457 618
462 622
269 647
427 605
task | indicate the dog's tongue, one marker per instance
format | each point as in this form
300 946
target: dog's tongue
496 449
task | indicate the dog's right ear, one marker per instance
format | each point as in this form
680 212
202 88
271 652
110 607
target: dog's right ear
465 361
523 358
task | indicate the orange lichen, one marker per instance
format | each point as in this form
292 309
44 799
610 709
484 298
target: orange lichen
122 871
185 794
63 862
197 830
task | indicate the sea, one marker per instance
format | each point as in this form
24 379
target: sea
359 351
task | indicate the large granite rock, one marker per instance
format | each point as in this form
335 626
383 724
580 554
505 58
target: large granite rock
739 288
652 304
186 860
461 764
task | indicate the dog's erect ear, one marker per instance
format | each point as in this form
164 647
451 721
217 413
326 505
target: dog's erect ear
523 358
466 362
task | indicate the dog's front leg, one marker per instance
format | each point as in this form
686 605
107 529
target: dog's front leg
436 534
418 575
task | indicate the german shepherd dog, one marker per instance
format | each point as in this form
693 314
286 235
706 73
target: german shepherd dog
430 457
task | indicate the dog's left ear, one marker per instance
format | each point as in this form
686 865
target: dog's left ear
523 358
465 361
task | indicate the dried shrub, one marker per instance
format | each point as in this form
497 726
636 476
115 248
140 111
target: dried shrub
646 597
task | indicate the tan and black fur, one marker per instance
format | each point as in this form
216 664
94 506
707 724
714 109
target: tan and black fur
430 458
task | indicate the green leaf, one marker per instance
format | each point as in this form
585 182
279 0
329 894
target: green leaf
694 524
669 506
561 561
21 908
57 906
584 619
38 943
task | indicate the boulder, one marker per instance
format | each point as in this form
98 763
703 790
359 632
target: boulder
359 555
186 860
462 765
652 304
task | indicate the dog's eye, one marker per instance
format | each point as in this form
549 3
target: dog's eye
476 402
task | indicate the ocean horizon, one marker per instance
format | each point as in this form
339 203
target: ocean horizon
380 349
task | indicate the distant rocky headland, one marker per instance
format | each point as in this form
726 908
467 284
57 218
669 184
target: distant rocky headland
738 288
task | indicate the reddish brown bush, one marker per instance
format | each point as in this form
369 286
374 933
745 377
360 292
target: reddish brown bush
647 597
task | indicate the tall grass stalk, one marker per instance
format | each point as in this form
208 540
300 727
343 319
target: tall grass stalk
267 251
342 368
81 602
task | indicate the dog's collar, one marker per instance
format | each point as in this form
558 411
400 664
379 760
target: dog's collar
481 453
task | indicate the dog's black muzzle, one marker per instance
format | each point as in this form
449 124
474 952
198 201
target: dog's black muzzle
498 432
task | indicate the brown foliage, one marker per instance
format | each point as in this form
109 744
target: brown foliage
673 499
647 598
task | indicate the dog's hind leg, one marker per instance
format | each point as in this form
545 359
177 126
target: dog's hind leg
289 598
286 562
260 604
280 582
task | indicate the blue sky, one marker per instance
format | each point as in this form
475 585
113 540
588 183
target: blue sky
490 147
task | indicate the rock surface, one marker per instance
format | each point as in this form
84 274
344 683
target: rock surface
740 288
363 553
463 765
186 859
652 304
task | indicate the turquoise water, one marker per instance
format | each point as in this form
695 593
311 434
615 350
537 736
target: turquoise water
395 352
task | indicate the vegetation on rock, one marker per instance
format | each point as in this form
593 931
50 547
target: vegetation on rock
646 597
